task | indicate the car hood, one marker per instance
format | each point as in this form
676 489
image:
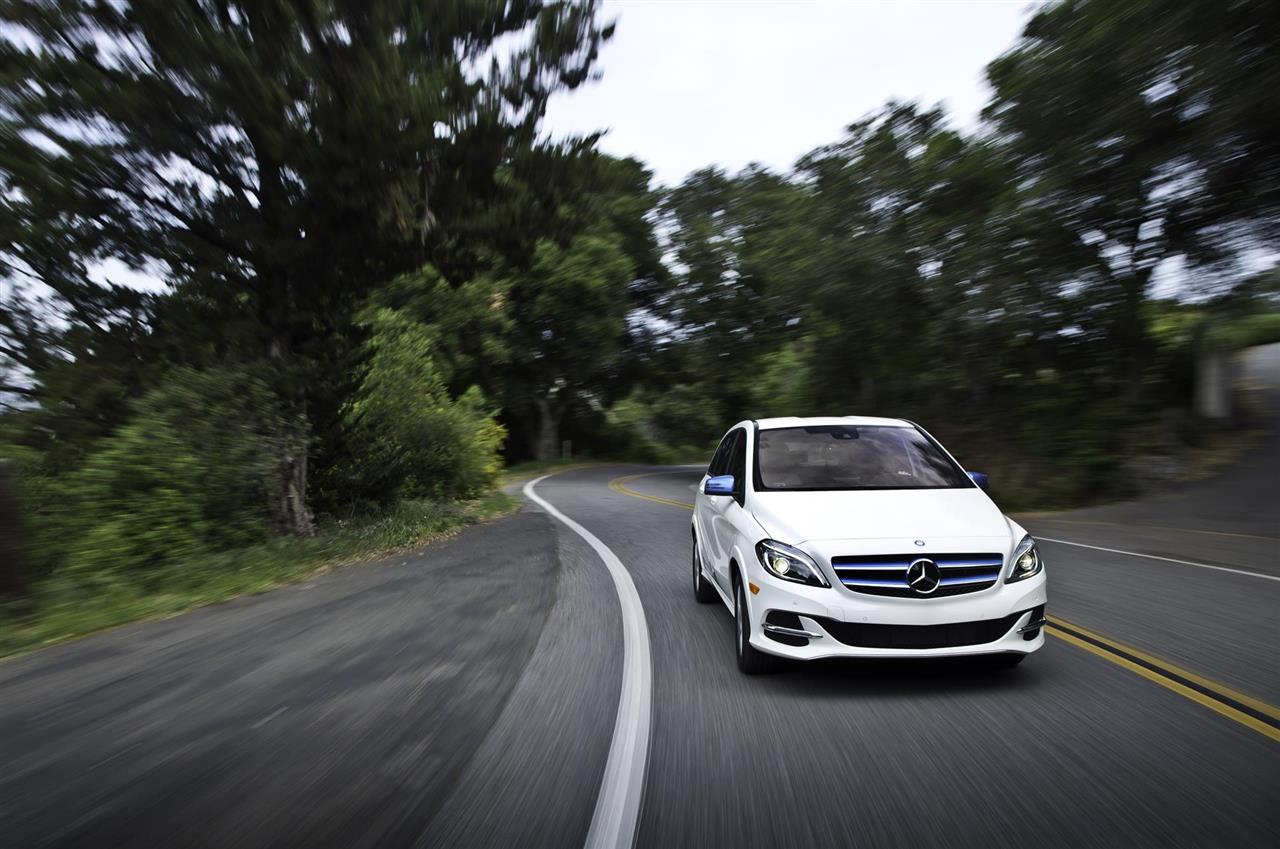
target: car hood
796 517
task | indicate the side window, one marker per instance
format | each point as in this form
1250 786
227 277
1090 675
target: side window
738 462
720 460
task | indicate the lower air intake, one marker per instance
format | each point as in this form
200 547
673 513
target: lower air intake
951 635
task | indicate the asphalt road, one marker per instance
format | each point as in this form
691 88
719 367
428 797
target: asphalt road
379 705
466 695
1070 749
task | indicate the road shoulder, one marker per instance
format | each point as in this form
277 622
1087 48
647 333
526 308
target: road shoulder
350 704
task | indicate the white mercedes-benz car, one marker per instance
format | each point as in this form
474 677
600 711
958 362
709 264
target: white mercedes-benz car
860 537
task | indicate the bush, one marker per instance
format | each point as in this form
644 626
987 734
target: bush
43 521
664 427
234 425
195 468
138 501
408 438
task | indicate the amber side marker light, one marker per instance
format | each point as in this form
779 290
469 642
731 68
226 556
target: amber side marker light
753 587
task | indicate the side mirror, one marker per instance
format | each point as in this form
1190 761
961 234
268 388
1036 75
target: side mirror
719 485
980 479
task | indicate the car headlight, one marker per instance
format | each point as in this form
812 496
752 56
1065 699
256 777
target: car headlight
789 563
1026 561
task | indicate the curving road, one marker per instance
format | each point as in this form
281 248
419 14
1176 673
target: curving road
469 695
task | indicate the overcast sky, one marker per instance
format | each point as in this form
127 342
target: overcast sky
688 83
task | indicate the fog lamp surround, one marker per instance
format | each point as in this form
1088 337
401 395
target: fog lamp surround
789 563
1026 561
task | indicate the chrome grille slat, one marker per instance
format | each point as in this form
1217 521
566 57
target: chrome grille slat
887 567
873 574
984 578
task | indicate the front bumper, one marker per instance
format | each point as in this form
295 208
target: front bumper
835 623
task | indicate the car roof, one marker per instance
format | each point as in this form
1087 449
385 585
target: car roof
811 421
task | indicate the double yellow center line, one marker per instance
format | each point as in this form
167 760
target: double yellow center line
1252 713
1246 710
619 485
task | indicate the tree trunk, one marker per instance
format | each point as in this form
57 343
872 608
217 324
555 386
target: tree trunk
275 312
547 446
295 515
13 564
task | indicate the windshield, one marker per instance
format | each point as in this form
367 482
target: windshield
849 457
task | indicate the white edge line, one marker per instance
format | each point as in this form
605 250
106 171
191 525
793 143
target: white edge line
1166 559
617 813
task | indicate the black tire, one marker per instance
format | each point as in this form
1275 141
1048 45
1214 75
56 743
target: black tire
751 661
703 592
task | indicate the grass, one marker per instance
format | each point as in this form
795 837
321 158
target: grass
60 611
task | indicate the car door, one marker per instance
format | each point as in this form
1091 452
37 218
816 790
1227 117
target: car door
705 505
725 509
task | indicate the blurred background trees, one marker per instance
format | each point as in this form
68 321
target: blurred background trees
380 279
273 161
1001 286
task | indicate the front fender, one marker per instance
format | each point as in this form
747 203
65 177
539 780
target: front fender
745 561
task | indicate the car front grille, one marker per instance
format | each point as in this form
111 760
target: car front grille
952 635
886 574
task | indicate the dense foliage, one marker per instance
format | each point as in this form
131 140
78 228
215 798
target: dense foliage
1000 286
381 278
408 437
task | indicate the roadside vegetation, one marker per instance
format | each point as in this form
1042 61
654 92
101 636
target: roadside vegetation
72 604
370 281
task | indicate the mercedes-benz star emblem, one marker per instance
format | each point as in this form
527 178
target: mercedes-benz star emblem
923 576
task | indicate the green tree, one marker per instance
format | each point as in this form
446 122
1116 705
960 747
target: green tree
570 312
274 161
1143 125
557 203
946 270
740 247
